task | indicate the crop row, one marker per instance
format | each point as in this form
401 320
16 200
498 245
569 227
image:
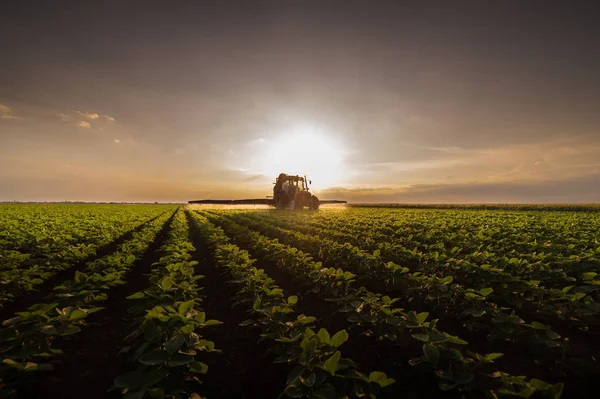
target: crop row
439 289
542 242
318 368
168 345
376 315
558 239
576 305
31 340
34 246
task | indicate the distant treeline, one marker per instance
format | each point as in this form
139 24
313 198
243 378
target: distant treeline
512 207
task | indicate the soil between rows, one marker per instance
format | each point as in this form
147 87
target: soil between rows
244 369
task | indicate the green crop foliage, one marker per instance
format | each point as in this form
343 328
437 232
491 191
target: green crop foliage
489 301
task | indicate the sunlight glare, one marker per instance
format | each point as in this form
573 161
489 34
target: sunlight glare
305 152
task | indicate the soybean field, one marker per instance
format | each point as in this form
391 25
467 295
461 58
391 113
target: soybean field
166 301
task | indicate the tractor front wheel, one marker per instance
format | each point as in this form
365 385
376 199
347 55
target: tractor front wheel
314 203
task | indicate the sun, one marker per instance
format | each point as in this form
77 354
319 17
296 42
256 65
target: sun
304 152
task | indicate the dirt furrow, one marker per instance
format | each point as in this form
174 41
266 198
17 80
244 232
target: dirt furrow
244 369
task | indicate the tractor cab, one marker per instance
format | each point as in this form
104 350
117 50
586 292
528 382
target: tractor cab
293 192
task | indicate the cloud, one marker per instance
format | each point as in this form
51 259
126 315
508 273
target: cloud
84 124
7 113
582 189
117 141
88 115
64 117
109 118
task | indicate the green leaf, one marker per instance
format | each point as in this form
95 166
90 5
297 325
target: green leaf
380 379
437 337
71 330
332 363
308 333
307 320
212 323
493 356
131 380
376 376
446 386
166 283
294 391
185 307
174 343
292 300
589 275
323 334
153 376
421 317
456 354
432 354
539 384
198 367
309 347
130 259
200 317
77 314
137 295
457 341
295 374
539 326
10 362
486 291
339 338
187 329
30 366
567 289
180 359
421 337
154 357
445 281
310 380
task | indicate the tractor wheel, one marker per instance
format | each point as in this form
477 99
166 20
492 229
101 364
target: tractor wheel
282 201
314 203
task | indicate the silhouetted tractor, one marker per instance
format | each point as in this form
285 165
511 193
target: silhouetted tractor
292 192
289 192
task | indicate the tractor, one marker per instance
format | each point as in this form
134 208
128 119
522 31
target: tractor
289 192
292 192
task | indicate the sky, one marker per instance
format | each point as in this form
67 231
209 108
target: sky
415 102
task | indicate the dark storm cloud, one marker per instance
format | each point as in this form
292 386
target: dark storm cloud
416 92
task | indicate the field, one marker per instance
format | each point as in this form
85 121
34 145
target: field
161 301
